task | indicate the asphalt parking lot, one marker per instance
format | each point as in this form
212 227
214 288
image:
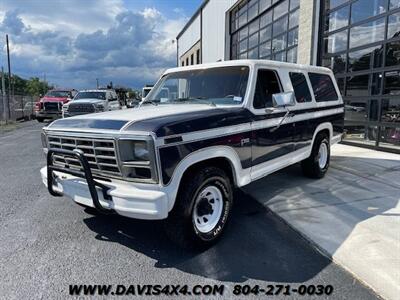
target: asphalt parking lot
49 243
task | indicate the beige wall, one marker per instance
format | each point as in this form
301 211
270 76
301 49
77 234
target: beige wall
306 24
188 55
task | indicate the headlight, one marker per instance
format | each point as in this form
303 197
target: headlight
65 107
100 107
44 141
138 159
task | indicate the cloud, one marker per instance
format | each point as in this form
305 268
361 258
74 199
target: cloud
132 48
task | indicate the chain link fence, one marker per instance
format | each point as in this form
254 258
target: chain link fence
22 107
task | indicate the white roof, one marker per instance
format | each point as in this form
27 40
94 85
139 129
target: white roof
251 62
94 91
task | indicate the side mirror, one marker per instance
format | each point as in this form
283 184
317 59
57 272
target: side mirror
283 99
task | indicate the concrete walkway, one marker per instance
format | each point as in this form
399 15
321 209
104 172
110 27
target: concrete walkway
352 215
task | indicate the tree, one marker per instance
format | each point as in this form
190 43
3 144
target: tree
35 87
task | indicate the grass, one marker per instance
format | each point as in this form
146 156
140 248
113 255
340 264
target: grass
7 126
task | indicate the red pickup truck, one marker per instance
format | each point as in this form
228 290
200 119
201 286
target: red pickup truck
50 105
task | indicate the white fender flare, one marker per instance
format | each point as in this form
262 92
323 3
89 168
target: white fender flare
241 176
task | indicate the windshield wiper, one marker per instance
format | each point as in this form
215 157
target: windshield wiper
196 100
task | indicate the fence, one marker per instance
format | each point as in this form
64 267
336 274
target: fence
21 107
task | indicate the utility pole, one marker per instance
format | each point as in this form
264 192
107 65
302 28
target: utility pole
3 91
97 83
9 78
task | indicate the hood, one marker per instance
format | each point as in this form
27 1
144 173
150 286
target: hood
88 100
162 120
54 99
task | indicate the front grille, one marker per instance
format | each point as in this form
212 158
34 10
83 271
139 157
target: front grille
81 108
52 106
100 153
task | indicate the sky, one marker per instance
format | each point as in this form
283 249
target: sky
73 42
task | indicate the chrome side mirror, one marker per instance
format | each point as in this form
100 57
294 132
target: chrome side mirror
283 99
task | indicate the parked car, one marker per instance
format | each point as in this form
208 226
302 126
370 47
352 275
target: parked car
223 126
50 106
91 101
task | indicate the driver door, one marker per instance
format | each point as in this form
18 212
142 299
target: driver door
269 141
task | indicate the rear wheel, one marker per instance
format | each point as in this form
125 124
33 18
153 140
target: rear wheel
318 163
201 210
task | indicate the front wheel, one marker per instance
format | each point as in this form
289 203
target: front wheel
40 120
201 210
318 163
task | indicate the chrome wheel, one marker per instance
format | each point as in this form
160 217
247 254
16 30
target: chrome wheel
323 155
207 209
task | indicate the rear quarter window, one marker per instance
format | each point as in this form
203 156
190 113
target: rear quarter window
300 87
323 87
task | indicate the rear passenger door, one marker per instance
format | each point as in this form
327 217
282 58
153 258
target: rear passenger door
268 141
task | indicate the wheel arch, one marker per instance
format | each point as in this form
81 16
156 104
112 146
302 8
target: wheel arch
323 127
224 157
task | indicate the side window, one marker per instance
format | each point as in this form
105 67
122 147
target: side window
267 85
300 87
323 87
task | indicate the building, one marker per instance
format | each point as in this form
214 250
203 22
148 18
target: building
358 39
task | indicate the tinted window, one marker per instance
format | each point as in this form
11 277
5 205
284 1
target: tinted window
323 87
90 95
300 87
267 85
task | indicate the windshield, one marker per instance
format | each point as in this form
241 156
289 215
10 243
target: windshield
90 95
224 85
58 94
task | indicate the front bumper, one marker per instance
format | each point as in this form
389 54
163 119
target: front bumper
124 198
48 114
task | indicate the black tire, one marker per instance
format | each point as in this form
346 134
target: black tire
310 166
40 120
180 226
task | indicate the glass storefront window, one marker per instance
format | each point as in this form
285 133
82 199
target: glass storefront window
265 49
253 40
391 110
393 26
364 59
255 23
294 19
253 11
367 33
355 110
338 19
393 54
390 137
281 9
254 26
293 37
363 9
292 55
265 34
264 4
280 56
279 26
265 19
373 112
336 42
279 43
392 83
394 4
376 83
334 3
357 85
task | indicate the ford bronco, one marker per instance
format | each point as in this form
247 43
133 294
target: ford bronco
181 154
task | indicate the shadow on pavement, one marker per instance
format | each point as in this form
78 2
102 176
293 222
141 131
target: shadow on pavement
256 245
